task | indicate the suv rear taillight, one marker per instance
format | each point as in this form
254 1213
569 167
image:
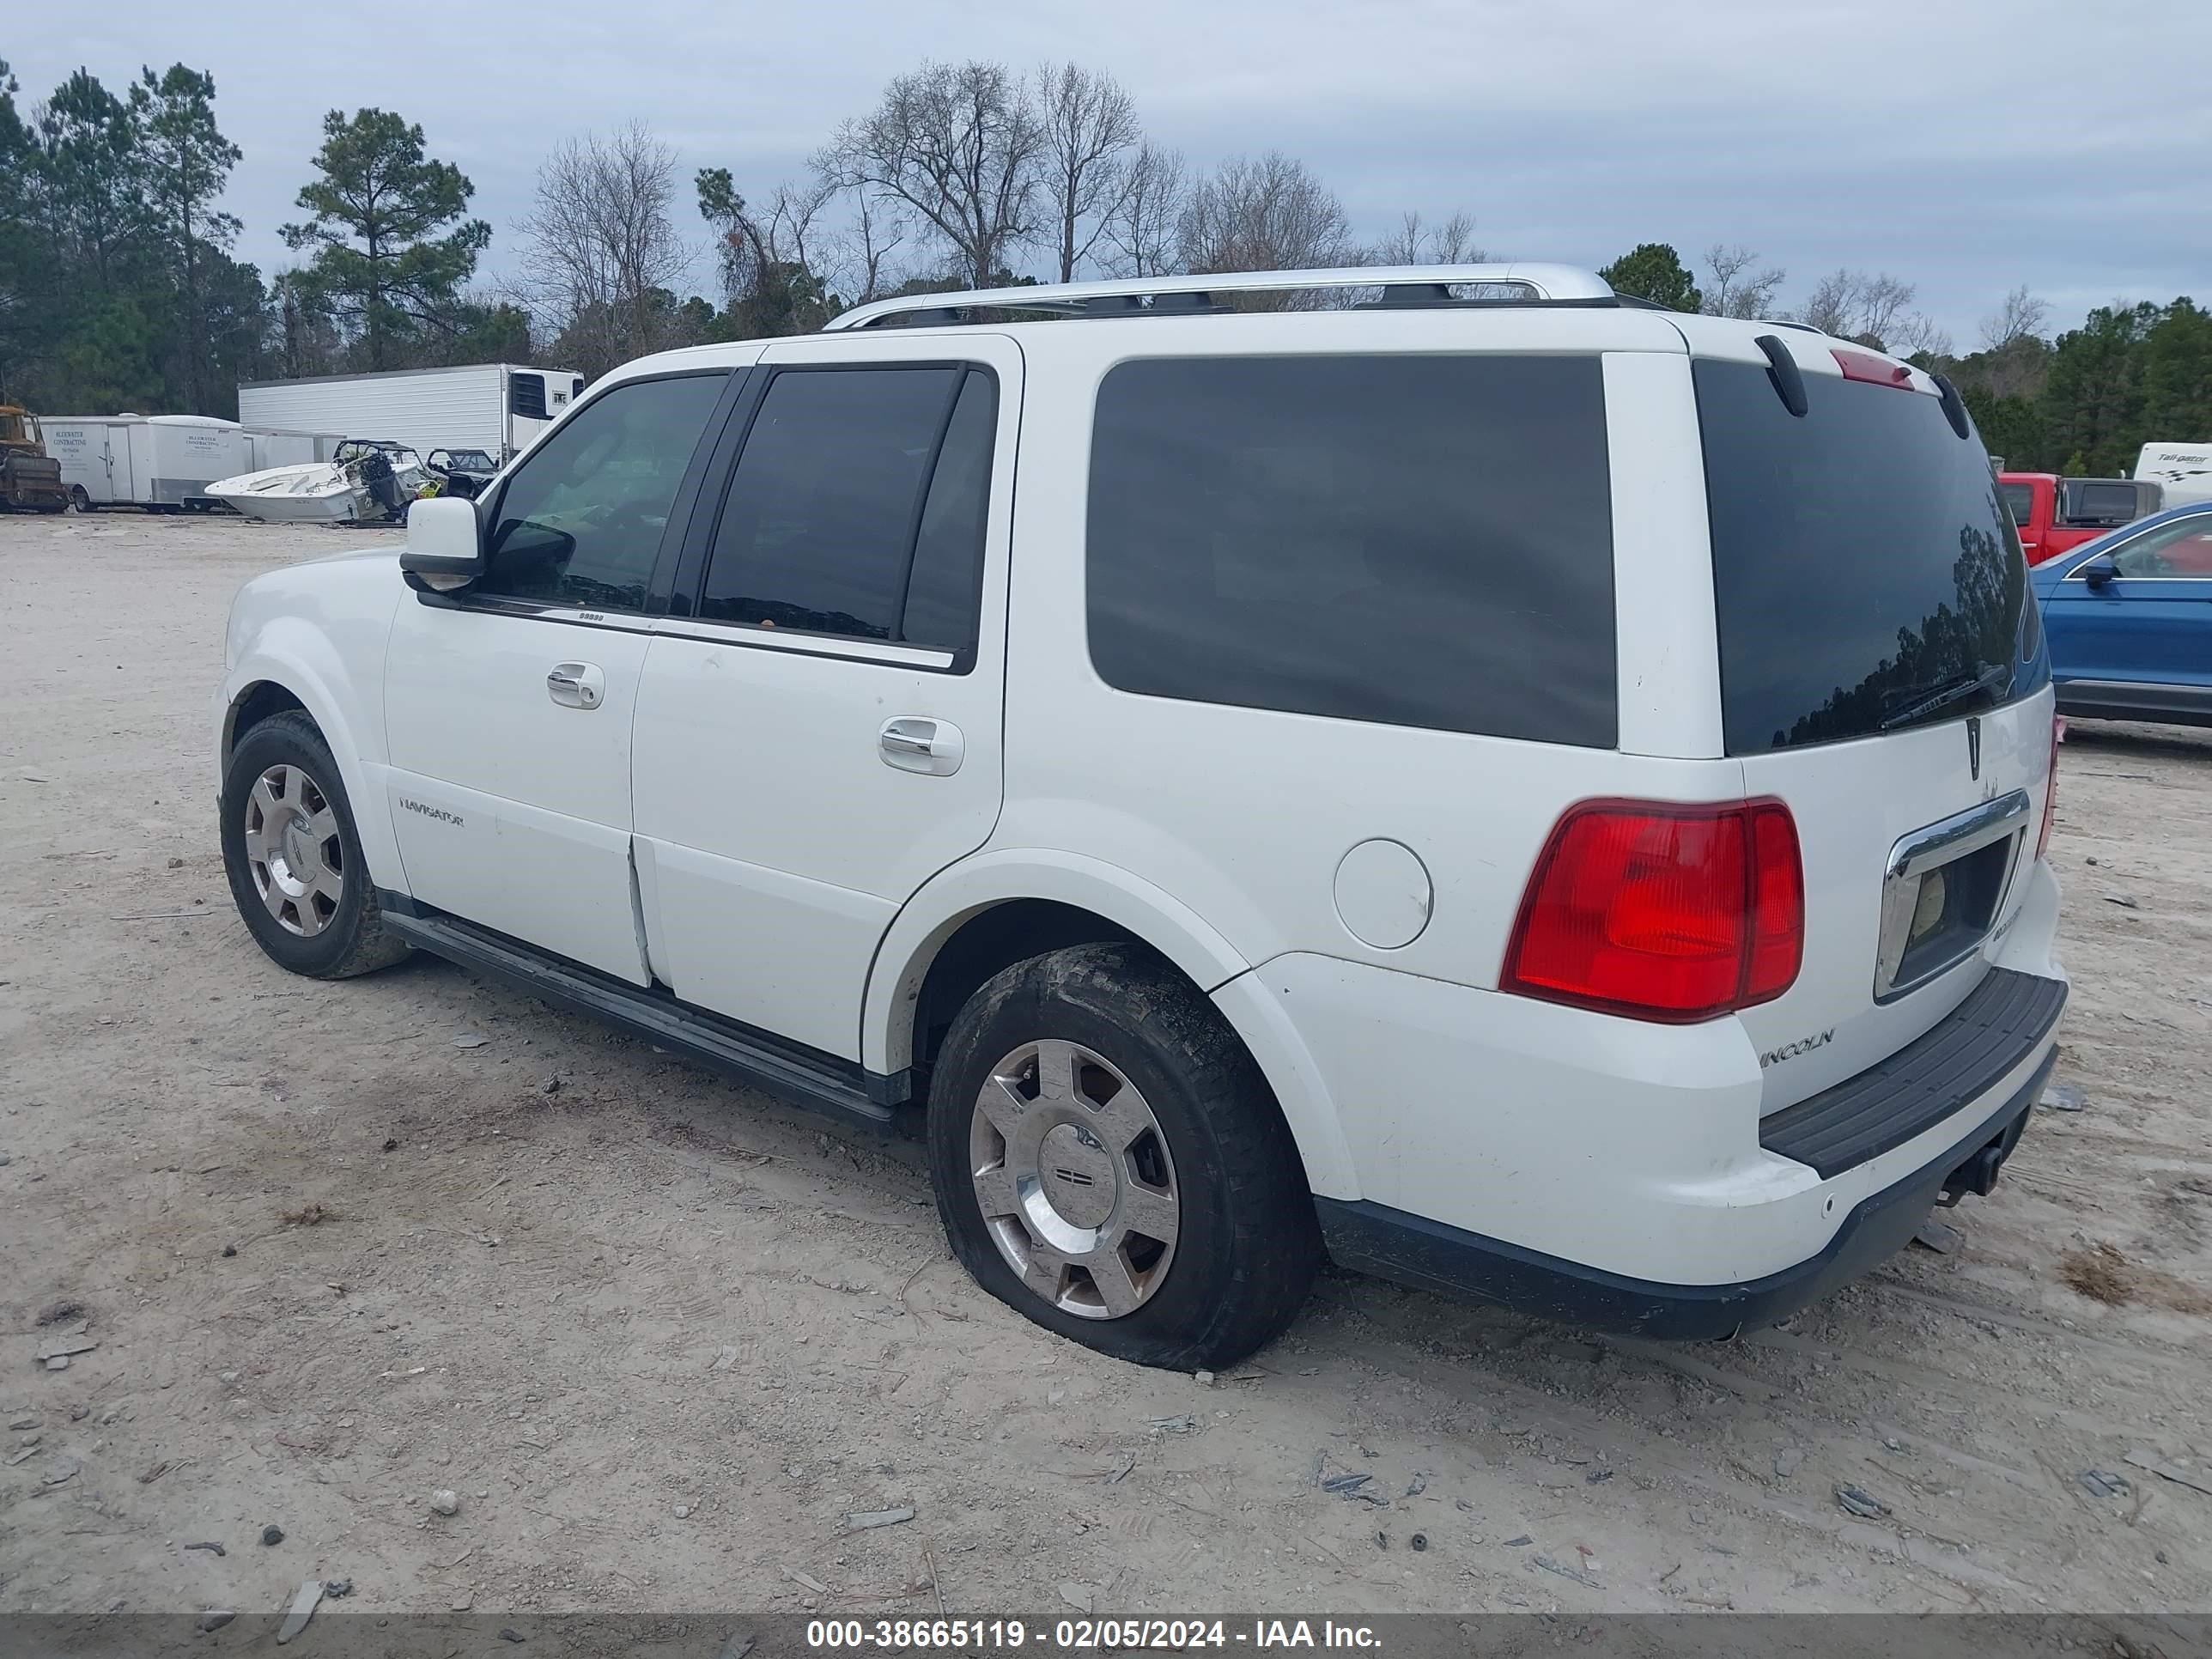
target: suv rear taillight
1660 911
2050 786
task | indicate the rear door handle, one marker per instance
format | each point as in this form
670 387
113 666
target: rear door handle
914 744
576 685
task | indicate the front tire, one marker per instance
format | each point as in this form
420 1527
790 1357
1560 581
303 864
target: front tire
296 870
1111 1163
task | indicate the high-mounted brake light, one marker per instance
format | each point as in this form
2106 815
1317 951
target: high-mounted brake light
1875 371
1662 911
2050 786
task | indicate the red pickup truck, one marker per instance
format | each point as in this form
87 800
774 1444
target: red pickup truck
2055 513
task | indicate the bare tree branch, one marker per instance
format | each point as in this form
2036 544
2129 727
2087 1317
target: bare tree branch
773 276
961 147
602 249
1882 302
1270 214
1873 310
1735 289
2021 316
1416 243
878 231
1141 226
1090 127
1830 307
793 211
1916 335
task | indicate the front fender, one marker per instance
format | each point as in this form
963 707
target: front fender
954 895
297 656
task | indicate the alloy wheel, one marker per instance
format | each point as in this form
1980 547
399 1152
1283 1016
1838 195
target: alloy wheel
1074 1179
294 849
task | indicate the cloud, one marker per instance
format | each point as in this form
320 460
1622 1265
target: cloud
1967 147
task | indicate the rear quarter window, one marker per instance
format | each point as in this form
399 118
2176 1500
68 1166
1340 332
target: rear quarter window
1409 540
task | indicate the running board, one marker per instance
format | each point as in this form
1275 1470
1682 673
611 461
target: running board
835 1088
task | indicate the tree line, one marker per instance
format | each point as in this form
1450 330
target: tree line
119 287
2083 402
2086 402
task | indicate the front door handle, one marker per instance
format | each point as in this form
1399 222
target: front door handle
576 685
913 745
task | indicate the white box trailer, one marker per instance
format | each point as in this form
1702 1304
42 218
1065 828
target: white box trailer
496 407
160 462
2185 471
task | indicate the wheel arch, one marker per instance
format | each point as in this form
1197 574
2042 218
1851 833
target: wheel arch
263 685
260 700
999 909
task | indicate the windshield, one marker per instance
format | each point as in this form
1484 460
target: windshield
468 461
1865 573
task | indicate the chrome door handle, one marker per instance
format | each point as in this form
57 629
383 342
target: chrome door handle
576 685
914 744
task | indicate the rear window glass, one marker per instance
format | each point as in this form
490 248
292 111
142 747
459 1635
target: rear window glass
1414 541
2090 502
1865 574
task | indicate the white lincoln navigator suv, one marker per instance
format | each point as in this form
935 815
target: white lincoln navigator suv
1508 787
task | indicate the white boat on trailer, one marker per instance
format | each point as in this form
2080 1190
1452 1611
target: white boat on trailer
364 481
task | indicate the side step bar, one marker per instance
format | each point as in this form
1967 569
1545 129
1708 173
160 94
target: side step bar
835 1088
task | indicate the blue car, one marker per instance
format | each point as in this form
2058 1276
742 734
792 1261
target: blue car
2129 620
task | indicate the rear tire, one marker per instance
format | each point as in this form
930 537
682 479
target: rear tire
1144 1194
79 499
294 862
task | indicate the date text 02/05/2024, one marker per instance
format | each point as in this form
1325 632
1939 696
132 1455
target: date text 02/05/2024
1081 1635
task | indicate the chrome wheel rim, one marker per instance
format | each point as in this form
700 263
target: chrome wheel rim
1074 1179
294 850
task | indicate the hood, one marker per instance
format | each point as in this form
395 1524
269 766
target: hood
385 552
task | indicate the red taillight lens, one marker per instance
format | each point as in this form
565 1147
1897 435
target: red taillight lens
1778 903
1660 911
2051 787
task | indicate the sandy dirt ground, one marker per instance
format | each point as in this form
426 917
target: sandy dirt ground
662 1337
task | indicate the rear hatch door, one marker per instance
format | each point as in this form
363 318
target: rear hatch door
1882 673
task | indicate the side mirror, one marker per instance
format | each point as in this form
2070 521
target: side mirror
445 545
2099 571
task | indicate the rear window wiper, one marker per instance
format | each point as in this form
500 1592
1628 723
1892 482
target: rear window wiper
1928 699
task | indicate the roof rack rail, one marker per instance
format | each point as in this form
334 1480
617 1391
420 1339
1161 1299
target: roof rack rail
1415 286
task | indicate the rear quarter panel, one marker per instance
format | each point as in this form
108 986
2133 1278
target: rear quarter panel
1245 814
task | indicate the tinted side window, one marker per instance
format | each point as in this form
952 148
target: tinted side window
2018 500
580 521
1418 541
819 525
942 596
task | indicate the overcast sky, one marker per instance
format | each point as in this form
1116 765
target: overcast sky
1965 146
